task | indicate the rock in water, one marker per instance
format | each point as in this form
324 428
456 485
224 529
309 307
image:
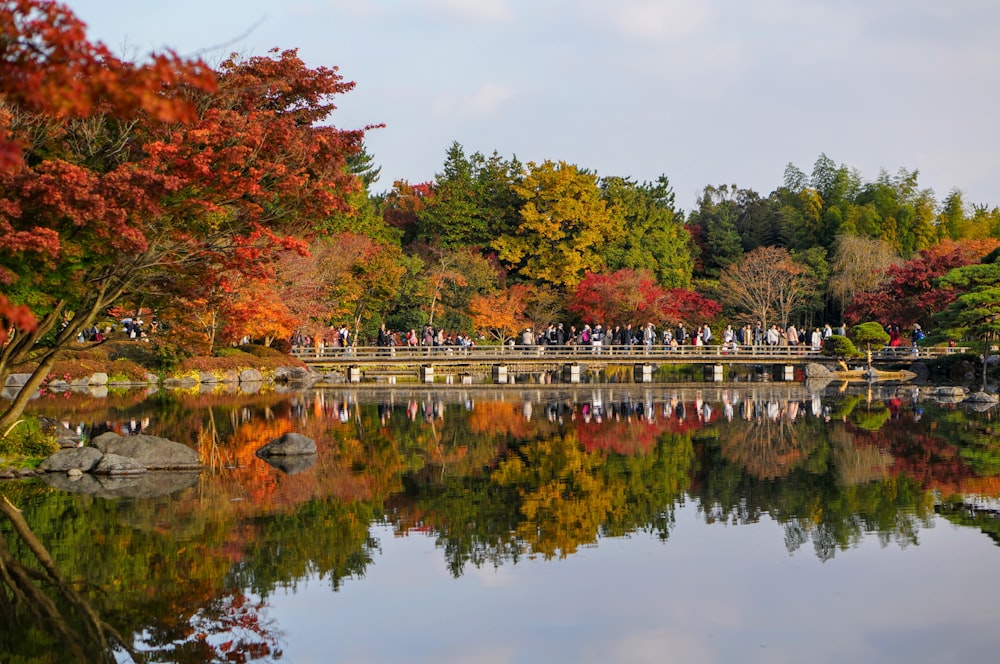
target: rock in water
288 445
153 452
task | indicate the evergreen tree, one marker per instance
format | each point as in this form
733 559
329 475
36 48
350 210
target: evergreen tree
975 312
654 236
715 220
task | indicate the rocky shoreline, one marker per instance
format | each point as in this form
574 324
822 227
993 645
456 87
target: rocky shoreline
99 383
143 466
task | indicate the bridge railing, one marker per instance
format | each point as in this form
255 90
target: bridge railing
583 353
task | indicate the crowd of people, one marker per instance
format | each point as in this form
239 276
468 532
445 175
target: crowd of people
131 328
648 336
597 337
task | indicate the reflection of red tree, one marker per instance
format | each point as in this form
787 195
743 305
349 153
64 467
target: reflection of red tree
929 459
638 434
637 437
238 620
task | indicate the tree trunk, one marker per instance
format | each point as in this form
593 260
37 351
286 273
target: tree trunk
986 357
23 583
16 408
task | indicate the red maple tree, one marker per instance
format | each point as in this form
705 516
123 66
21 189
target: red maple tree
48 68
158 205
909 295
633 296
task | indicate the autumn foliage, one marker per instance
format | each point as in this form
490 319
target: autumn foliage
908 294
633 296
162 183
501 314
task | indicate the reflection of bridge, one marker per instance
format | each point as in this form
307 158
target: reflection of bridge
501 361
575 394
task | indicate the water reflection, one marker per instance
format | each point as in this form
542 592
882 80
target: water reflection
494 478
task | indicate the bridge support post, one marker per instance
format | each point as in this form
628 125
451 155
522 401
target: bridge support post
353 374
500 374
714 373
571 373
788 372
426 373
643 373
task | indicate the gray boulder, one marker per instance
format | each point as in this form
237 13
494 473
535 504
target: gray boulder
82 458
814 370
113 464
179 383
295 375
290 444
251 376
17 380
250 388
153 452
64 436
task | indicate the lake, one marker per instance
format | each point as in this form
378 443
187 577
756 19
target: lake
751 522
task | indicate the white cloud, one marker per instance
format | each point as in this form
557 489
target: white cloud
478 11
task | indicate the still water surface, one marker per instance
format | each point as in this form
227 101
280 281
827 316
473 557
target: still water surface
760 523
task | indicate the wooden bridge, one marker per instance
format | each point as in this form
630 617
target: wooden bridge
501 361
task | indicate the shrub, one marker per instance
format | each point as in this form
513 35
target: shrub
26 438
270 357
167 355
126 369
870 334
261 351
838 346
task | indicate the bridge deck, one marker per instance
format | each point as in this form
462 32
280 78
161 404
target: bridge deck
540 357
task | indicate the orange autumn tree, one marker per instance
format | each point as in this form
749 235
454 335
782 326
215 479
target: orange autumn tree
156 212
257 311
501 314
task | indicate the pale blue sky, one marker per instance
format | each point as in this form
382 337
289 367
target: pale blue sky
703 91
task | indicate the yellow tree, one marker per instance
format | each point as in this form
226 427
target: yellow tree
563 222
565 494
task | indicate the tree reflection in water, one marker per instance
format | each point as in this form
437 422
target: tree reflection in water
493 477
